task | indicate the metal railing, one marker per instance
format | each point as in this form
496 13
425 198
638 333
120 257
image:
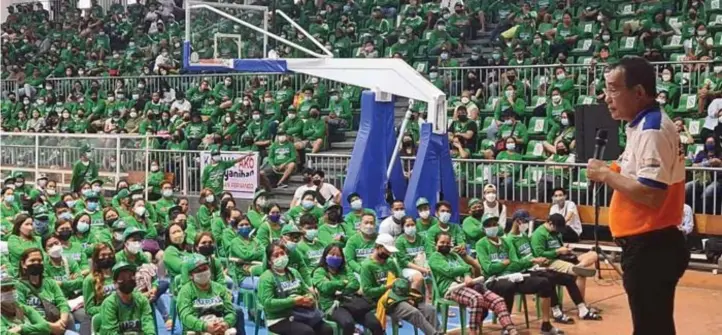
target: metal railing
537 79
526 181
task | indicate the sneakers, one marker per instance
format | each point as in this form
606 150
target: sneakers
584 272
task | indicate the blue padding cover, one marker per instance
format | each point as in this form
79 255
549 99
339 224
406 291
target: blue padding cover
366 171
433 175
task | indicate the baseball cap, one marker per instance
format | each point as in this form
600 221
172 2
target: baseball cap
521 214
421 201
387 242
120 266
290 229
487 217
130 231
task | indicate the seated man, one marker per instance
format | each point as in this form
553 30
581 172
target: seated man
546 241
567 208
375 274
314 132
504 275
281 160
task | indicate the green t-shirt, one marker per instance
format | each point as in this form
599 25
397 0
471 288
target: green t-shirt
126 319
374 276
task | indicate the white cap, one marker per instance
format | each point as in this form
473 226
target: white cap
387 241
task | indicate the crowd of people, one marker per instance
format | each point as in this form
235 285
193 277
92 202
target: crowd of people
87 258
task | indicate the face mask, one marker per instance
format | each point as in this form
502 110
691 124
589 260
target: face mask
245 231
356 204
70 203
256 117
291 116
334 262
83 226
702 33
35 269
383 255
92 206
207 250
398 214
510 146
280 263
127 287
64 235
368 230
444 217
210 198
311 234
40 227
508 122
56 251
140 211
202 278
9 296
134 247
424 214
491 231
154 168
445 249
556 99
307 204
509 94
9 199
275 218
523 228
709 146
605 38
561 76
444 56
464 100
433 75
133 115
410 231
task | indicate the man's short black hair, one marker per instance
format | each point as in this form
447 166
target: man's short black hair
638 71
560 189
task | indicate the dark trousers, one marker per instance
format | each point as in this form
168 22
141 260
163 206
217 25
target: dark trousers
531 285
653 263
286 327
562 279
347 321
569 235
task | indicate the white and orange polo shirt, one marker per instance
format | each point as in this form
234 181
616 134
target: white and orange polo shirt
653 158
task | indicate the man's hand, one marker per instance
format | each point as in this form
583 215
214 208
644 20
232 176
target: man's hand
539 260
563 251
468 282
460 250
597 170
506 262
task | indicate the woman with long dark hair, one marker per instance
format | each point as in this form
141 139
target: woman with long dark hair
335 283
282 292
99 283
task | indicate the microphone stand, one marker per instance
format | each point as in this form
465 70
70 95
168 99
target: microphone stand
596 194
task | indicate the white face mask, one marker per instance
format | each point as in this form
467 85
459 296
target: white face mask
256 117
356 204
56 251
444 217
556 99
565 122
140 211
464 100
398 214
510 146
202 278
666 77
561 76
368 230
291 116
133 115
210 198
134 247
50 192
490 197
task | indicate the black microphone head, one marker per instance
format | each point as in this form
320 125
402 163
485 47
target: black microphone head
602 135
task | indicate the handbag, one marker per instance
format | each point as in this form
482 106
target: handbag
306 315
356 304
52 313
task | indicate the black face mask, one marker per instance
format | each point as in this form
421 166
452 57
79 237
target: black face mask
445 249
562 151
35 269
477 214
127 286
334 217
206 250
64 235
317 182
384 256
106 263
110 222
463 118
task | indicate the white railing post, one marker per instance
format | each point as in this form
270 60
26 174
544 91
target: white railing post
147 166
184 167
118 160
37 157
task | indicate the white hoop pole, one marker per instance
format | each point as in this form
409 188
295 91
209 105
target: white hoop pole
259 30
304 32
399 139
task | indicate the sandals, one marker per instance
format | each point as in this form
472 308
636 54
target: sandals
595 309
592 316
564 319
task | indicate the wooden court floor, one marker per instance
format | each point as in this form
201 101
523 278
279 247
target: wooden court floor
698 308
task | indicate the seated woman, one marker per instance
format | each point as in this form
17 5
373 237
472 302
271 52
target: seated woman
374 277
246 255
517 237
448 268
270 229
126 310
33 288
335 283
68 275
205 245
493 254
205 306
546 242
98 284
281 291
176 251
565 132
15 317
412 258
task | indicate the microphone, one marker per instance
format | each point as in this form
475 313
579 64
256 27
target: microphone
600 143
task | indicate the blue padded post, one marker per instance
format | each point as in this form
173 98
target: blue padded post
366 171
433 175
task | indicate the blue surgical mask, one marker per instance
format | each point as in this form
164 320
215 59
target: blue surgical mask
40 226
10 198
66 215
491 231
311 234
291 246
307 204
245 231
92 206
334 262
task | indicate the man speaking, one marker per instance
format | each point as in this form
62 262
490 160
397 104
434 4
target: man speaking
648 183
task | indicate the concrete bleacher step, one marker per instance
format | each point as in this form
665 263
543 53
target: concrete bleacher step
347 145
